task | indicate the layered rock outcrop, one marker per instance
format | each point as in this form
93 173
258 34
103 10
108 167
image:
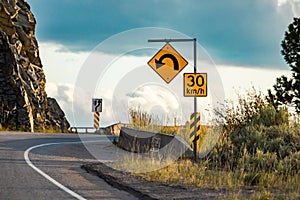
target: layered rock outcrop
23 101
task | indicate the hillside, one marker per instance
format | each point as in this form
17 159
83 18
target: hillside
24 104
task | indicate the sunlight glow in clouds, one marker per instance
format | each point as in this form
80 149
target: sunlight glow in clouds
295 5
281 2
60 65
157 100
148 97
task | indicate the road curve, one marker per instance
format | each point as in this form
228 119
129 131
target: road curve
59 157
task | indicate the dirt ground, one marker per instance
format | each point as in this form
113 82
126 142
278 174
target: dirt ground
152 190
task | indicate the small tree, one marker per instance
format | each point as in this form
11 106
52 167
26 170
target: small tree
284 93
287 91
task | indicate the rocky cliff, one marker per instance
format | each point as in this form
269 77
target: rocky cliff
23 101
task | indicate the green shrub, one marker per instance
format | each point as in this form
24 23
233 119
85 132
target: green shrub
257 136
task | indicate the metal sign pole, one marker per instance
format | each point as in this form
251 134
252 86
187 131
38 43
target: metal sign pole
195 71
195 103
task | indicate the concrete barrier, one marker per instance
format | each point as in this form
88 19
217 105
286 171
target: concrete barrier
146 142
113 129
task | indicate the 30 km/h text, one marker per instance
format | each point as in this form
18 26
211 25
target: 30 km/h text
195 84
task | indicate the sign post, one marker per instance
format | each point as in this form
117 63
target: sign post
96 109
192 126
96 120
159 58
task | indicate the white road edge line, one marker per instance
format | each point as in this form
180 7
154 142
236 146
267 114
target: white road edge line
61 186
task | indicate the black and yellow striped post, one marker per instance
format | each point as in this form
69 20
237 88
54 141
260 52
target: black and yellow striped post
96 108
194 122
97 120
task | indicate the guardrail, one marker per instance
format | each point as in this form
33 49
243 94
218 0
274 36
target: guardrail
75 129
113 129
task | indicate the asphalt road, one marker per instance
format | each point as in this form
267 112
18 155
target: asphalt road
51 170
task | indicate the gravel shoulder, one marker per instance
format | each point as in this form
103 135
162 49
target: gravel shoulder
152 190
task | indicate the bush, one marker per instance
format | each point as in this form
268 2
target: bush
257 137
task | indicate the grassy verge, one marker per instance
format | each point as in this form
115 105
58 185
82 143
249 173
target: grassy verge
263 184
38 130
258 148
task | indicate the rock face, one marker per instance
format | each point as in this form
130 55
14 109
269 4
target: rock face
23 101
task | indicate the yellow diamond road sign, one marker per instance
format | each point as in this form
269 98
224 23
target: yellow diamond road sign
167 63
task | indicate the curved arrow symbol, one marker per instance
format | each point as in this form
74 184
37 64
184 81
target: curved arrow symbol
159 63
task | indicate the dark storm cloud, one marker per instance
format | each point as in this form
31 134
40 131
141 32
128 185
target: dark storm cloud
233 31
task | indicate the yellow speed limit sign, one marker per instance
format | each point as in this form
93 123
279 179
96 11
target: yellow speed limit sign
195 84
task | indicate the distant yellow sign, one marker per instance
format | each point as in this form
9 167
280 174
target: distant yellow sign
195 84
167 63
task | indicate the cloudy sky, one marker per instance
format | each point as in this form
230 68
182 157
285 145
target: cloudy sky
241 38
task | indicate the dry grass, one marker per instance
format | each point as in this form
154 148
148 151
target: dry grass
185 172
258 148
38 130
